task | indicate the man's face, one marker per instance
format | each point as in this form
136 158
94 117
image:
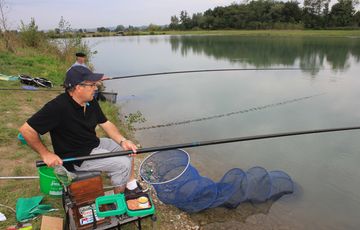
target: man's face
81 60
86 90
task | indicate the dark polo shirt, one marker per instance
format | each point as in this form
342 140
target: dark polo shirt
72 131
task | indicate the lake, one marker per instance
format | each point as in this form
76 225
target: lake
322 91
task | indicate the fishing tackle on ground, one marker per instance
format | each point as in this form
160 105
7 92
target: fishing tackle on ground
37 81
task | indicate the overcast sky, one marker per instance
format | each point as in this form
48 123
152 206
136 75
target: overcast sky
96 13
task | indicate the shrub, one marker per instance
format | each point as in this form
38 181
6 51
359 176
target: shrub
30 35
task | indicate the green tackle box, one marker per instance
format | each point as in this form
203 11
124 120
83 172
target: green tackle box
117 199
121 206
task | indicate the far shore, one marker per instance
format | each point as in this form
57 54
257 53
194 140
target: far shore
353 33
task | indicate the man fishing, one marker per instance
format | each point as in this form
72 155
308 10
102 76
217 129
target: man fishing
80 59
71 119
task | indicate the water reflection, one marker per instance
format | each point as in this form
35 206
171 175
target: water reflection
325 166
310 54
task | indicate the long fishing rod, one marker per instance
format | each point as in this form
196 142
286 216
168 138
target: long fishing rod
202 143
18 177
167 73
33 90
200 71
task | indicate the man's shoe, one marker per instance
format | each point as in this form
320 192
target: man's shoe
136 192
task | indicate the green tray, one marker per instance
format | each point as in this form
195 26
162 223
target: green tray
122 208
118 199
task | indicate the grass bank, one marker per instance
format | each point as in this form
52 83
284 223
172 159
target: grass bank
31 62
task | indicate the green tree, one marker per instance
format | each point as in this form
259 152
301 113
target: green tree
315 13
291 12
260 10
69 42
185 20
208 19
315 7
276 12
102 29
174 23
268 14
132 29
51 34
153 27
119 28
356 18
197 20
219 21
64 26
4 30
30 35
241 16
326 15
342 13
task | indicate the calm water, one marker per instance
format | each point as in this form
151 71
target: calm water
323 93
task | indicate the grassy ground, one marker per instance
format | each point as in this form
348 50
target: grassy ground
17 159
30 62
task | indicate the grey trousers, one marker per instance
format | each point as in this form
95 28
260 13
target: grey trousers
118 168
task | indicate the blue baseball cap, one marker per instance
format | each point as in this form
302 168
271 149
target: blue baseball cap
77 74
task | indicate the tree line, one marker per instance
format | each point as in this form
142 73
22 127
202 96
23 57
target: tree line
270 14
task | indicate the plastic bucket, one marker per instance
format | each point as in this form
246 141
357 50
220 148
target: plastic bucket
49 184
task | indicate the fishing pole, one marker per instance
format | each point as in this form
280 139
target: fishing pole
202 143
33 90
18 177
200 71
169 73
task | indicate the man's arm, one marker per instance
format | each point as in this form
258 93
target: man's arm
114 134
33 140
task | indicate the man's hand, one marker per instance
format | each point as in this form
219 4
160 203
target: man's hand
51 159
128 145
105 78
